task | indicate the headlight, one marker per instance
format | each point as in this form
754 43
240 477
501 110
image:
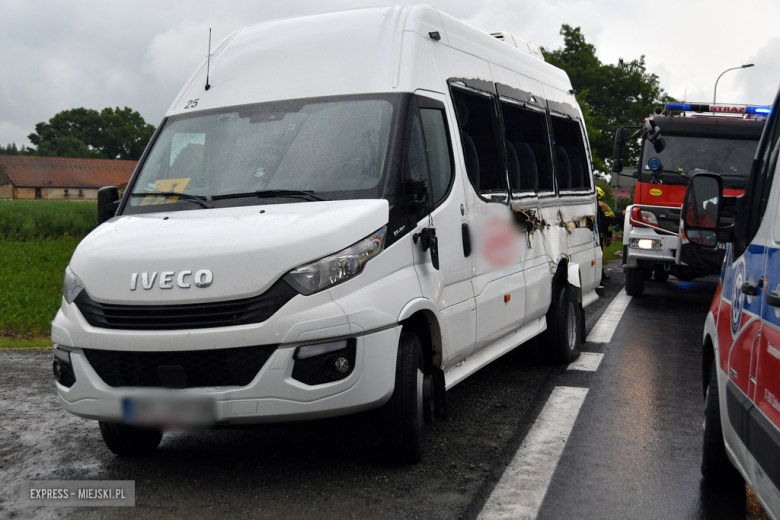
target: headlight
645 243
336 268
71 286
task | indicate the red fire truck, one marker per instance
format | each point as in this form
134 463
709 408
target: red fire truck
679 141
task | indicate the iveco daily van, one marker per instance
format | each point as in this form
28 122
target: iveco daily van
339 212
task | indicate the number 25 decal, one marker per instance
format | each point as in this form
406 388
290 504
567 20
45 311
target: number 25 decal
192 103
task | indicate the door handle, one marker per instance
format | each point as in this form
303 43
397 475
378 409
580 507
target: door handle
466 234
773 299
751 289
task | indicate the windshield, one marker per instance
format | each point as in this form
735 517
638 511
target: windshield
333 148
689 155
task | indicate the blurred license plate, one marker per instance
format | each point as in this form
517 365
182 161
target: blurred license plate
169 411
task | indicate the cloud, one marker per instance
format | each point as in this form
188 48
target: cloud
60 55
758 85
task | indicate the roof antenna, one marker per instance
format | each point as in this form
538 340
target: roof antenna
208 62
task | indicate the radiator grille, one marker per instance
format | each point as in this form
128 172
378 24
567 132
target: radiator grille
189 316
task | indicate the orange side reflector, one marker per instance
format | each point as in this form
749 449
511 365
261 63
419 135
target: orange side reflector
507 298
592 262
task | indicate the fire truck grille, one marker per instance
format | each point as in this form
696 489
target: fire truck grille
196 368
190 316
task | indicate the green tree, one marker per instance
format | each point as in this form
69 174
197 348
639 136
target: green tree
11 149
611 95
84 132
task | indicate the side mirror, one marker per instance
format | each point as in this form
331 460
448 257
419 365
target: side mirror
108 202
701 209
621 136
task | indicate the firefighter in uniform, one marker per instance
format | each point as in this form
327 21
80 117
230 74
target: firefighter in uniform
606 220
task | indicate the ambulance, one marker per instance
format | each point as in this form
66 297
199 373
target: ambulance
680 140
741 347
343 212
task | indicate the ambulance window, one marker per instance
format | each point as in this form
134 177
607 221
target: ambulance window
481 146
529 162
571 159
768 158
439 154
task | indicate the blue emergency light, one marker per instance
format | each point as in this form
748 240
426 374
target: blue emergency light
759 110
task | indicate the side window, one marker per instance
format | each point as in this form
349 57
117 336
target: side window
434 124
529 162
571 159
415 154
770 163
481 146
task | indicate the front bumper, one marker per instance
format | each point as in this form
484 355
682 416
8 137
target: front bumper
272 396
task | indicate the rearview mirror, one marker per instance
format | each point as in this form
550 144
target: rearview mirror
659 145
620 147
701 210
108 202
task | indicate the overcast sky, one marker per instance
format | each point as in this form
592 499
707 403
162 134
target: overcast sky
63 54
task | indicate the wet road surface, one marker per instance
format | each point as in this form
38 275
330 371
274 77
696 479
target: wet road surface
633 451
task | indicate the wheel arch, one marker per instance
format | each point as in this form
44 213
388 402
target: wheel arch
420 317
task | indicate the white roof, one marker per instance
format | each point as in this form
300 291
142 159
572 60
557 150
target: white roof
370 50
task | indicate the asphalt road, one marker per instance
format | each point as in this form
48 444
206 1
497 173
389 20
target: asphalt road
633 451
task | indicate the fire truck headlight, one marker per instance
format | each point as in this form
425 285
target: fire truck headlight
645 243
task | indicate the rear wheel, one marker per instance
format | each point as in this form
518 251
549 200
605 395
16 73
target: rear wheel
635 281
403 427
660 274
561 340
123 439
715 465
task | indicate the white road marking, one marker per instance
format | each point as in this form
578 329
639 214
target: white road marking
605 327
588 361
521 490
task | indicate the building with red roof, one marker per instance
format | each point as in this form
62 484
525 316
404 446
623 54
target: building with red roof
24 177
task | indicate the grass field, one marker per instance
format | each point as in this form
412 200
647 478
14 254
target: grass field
31 276
37 219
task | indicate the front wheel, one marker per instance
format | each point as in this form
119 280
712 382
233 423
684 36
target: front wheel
561 340
635 281
123 439
405 414
715 465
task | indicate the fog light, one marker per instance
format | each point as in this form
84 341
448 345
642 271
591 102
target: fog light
645 243
342 365
57 371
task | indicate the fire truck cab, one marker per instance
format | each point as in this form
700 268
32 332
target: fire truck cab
678 142
741 343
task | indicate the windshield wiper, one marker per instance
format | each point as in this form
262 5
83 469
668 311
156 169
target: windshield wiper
267 194
186 196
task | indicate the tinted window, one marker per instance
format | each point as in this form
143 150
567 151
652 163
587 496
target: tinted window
571 159
529 162
481 147
439 155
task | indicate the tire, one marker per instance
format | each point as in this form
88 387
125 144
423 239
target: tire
715 465
126 440
635 281
647 274
403 427
685 277
561 340
660 275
